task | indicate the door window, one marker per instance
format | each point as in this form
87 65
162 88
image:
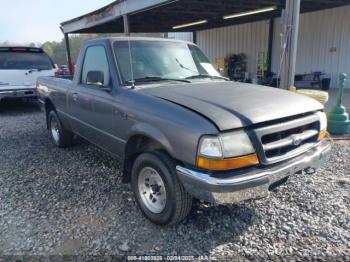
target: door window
96 60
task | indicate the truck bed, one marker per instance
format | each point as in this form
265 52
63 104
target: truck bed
70 77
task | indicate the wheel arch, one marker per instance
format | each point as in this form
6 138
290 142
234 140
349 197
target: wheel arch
48 105
143 138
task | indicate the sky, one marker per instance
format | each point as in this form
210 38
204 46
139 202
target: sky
25 21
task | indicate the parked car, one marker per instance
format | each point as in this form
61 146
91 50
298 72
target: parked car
62 70
181 130
19 69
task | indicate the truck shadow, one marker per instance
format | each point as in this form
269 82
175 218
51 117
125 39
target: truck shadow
18 106
79 189
206 227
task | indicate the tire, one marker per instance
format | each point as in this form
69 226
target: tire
59 136
177 203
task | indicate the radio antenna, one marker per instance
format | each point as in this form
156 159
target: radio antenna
127 33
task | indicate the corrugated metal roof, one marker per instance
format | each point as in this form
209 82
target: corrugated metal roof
97 12
97 21
163 15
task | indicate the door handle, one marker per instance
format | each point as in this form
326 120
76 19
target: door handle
75 96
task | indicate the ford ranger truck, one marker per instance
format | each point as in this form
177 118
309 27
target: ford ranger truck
180 130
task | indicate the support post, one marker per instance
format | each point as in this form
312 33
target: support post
126 25
194 35
290 29
270 44
69 57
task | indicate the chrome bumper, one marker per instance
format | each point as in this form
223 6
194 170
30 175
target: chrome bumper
18 93
248 184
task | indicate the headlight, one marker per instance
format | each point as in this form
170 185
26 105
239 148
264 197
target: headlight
323 120
323 125
226 151
236 144
211 147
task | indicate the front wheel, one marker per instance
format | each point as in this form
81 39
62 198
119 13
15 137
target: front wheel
159 194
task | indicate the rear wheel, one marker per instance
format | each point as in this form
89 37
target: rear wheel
159 194
59 136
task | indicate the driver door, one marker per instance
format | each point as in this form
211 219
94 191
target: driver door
92 100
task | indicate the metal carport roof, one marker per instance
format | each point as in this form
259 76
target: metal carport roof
163 15
148 16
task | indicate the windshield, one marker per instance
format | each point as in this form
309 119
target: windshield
161 60
25 60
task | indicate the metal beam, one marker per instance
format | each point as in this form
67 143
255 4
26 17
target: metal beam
270 44
126 25
69 57
110 13
290 29
194 35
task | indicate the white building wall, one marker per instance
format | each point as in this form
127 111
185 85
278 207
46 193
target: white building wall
319 32
249 38
185 36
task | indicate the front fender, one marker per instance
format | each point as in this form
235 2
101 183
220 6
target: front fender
154 133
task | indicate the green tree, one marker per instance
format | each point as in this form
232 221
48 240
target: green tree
57 50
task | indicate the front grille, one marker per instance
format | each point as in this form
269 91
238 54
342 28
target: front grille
287 139
282 142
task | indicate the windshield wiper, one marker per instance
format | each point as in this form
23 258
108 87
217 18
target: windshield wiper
156 78
184 67
31 70
34 70
207 76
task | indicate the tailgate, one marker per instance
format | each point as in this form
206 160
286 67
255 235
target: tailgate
21 66
19 79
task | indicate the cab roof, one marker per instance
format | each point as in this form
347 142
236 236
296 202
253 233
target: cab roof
137 38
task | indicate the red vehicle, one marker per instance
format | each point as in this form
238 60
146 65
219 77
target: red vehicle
62 70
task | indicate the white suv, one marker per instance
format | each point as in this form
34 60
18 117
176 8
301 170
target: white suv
19 69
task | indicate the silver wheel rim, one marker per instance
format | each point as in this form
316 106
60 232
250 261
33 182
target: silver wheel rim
54 130
152 190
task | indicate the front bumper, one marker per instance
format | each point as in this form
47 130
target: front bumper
18 93
254 183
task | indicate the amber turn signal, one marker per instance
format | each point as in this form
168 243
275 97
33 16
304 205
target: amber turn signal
323 134
227 164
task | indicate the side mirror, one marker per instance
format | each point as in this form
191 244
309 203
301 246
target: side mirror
95 78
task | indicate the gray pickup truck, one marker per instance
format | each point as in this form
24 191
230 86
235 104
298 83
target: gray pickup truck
180 130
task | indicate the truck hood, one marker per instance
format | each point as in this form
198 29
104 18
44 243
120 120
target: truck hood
231 105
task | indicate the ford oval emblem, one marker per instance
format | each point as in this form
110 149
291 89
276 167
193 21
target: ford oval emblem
296 141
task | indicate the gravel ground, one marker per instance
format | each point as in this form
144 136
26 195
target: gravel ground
71 201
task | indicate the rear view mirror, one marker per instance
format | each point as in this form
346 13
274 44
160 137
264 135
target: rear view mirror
95 78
